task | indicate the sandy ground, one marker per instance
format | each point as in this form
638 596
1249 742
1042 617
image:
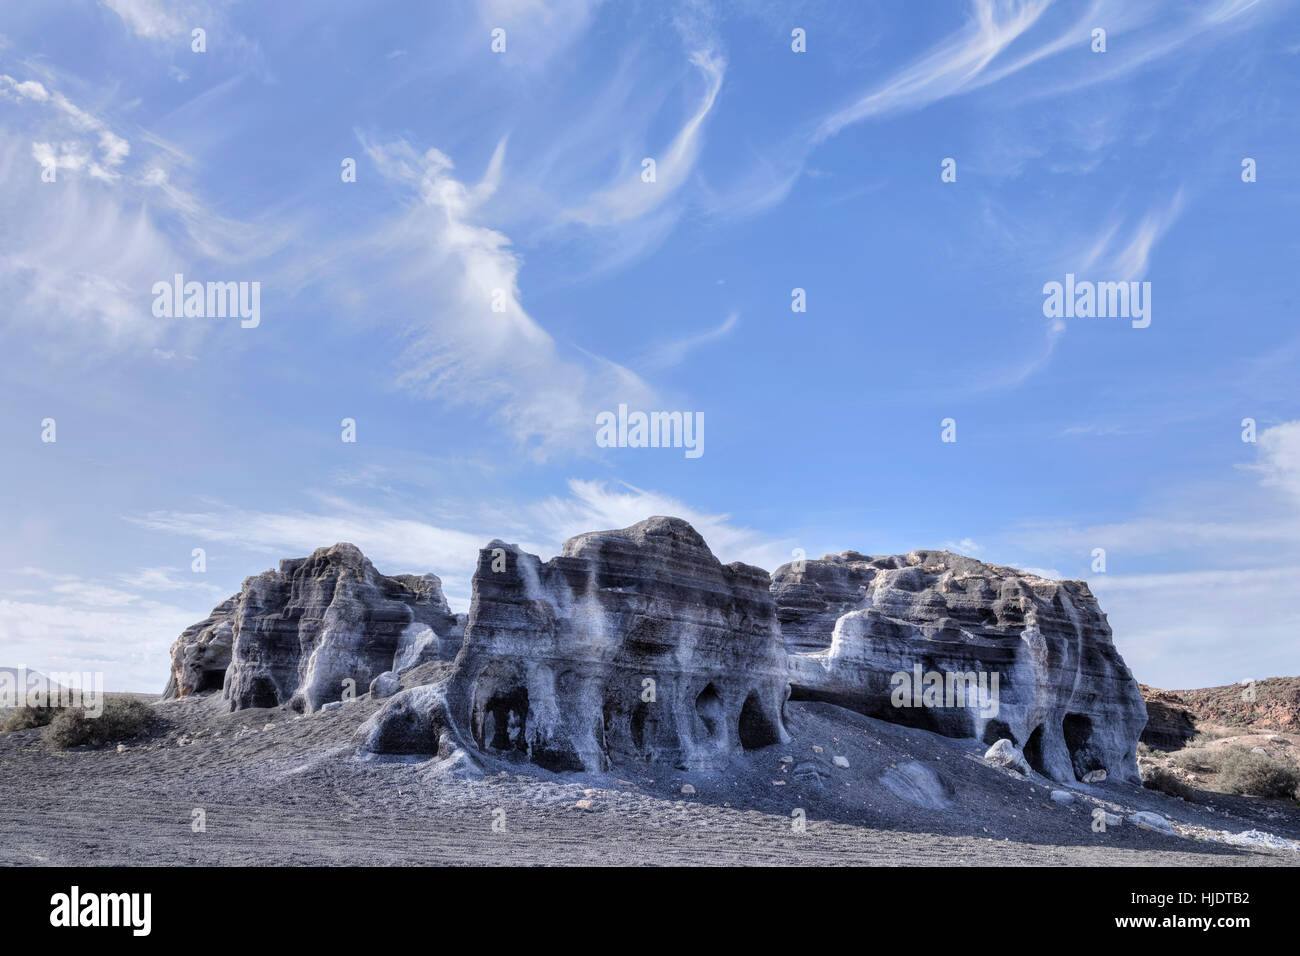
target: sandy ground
283 791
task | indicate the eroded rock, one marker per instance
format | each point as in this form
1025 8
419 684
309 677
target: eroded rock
299 634
201 655
919 784
1004 753
631 645
983 651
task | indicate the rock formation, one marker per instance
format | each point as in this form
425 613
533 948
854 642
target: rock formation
966 649
201 654
632 645
639 645
1170 723
295 635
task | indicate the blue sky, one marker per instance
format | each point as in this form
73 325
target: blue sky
521 171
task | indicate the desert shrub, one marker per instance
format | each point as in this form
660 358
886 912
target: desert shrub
1257 775
1166 781
122 719
1199 761
1207 736
25 718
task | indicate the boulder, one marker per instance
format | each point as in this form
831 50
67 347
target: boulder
413 721
385 685
1005 754
950 644
1152 821
919 784
297 635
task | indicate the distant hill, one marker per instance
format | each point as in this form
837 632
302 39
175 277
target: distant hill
1174 716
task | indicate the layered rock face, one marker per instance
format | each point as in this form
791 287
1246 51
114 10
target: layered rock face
632 645
296 635
1170 723
201 654
950 644
639 645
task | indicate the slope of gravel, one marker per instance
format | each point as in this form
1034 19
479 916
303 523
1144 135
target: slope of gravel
279 789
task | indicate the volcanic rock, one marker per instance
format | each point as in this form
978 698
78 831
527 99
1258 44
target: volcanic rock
1005 754
201 654
919 784
631 645
1170 722
862 629
302 634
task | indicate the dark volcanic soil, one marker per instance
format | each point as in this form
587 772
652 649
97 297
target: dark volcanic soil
280 789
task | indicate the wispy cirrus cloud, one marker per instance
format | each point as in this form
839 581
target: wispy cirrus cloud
676 351
152 19
472 342
1125 255
952 67
86 248
630 196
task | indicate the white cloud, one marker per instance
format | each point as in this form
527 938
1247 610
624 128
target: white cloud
472 342
1203 628
84 251
630 197
1129 259
595 506
947 70
153 19
127 642
399 544
1279 457
979 54
675 352
70 623
113 148
396 544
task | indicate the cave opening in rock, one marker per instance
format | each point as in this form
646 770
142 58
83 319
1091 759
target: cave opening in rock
1077 729
996 730
708 706
756 730
262 693
1034 750
639 715
506 719
210 680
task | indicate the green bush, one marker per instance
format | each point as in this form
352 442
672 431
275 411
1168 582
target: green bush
25 718
1166 781
1257 775
122 719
